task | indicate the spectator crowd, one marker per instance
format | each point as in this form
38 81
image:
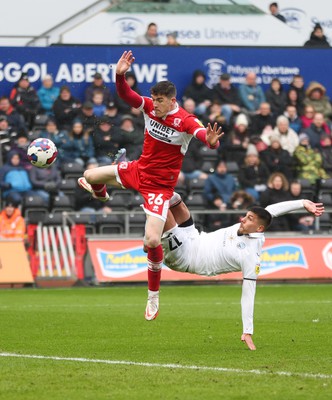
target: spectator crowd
274 142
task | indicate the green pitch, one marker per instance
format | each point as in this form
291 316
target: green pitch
94 343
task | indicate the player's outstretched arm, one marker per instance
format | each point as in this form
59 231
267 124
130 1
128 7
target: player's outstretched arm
247 339
125 62
213 134
316 209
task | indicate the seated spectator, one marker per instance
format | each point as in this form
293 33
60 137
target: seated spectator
294 100
307 117
299 222
199 92
298 85
219 187
20 146
114 116
76 145
25 99
277 191
315 96
315 131
237 141
317 38
14 179
150 37
326 152
131 137
240 200
309 161
15 120
192 163
87 116
251 94
289 139
46 182
52 132
107 140
7 137
12 224
277 159
172 39
253 173
99 84
228 96
66 108
295 121
214 115
47 94
276 97
84 202
99 107
262 119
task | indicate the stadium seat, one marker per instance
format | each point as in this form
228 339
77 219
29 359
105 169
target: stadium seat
89 220
110 224
195 202
208 167
34 209
62 203
208 154
71 170
137 224
120 201
196 186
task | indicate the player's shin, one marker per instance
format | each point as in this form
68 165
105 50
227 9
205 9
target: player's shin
155 257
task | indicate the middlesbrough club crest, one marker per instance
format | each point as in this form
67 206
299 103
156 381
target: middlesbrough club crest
176 122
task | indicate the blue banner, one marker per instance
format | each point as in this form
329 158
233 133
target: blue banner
76 65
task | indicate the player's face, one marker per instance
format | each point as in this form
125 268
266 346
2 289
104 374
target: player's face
250 224
163 105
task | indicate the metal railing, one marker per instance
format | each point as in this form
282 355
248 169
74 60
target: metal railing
68 218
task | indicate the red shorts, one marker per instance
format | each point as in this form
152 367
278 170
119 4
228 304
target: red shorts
156 197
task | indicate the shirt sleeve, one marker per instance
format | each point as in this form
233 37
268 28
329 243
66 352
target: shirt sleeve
127 93
247 305
285 207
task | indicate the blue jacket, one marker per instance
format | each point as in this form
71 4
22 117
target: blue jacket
251 96
47 97
219 186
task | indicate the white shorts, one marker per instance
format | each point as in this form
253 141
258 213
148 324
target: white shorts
178 247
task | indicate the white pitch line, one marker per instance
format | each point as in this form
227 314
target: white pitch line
171 366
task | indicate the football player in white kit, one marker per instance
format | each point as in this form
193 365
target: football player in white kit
236 248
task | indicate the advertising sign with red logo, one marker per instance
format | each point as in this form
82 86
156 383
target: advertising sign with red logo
291 258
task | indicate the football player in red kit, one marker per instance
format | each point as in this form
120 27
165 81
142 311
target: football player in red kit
168 131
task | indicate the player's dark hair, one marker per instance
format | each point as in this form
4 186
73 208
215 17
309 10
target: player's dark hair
262 214
164 88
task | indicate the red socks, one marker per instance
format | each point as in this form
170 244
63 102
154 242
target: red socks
99 189
155 258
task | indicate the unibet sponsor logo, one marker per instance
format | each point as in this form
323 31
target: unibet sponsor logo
279 257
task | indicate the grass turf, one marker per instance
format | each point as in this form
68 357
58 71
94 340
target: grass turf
197 326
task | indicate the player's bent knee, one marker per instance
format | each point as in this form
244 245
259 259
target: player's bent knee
152 242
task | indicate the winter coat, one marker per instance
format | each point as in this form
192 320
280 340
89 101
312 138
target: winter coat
47 97
309 164
251 96
65 111
219 186
198 92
